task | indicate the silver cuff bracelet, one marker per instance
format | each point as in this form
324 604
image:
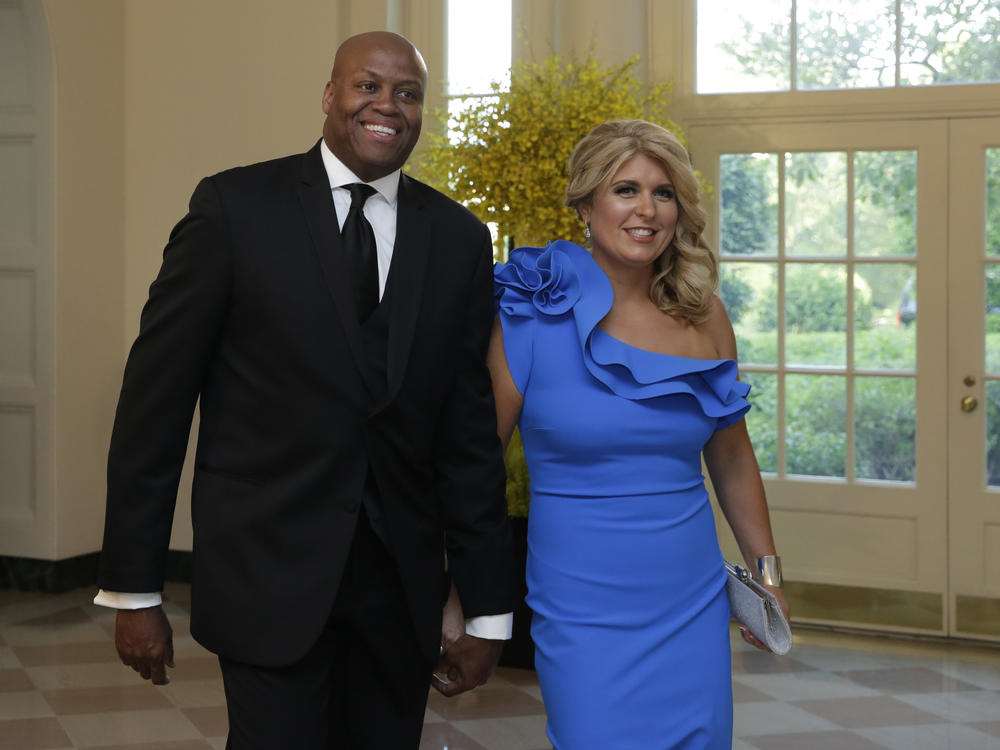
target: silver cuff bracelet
769 570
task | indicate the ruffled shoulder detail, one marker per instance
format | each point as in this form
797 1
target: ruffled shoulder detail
564 278
537 279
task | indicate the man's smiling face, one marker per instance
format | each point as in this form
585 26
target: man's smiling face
374 103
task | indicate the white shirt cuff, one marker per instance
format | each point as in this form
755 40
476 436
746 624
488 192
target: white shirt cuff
493 627
118 600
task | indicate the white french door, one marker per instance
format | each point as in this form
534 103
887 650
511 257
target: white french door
876 479
973 393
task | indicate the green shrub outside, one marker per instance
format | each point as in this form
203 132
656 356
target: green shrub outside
815 406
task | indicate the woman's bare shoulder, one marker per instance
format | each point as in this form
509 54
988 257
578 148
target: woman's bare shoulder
719 329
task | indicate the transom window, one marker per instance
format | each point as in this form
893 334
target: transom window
788 45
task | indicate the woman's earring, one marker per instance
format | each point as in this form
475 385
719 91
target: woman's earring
586 232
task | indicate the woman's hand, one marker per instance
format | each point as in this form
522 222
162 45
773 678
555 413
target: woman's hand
749 637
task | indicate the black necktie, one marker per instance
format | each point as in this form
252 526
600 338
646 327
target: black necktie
359 244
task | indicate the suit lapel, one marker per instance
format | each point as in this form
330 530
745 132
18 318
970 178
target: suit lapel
406 282
316 199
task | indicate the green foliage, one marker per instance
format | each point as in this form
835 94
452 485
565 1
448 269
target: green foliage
748 205
816 406
506 156
736 293
993 201
941 42
762 419
518 486
885 203
993 349
993 288
815 300
885 429
960 34
993 432
886 349
815 435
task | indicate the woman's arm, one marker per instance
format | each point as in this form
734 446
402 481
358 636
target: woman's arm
508 399
735 473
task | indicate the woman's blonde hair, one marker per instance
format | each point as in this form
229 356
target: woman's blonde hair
686 275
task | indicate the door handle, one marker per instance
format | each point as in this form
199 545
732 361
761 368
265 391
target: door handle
969 404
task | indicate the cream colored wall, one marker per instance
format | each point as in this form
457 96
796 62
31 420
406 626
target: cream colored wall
651 29
88 62
209 86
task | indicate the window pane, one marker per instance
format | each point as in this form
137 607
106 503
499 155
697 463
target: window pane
762 419
749 204
746 46
846 44
743 46
993 202
816 314
885 428
953 42
816 203
885 203
885 314
749 293
993 433
475 59
992 283
816 433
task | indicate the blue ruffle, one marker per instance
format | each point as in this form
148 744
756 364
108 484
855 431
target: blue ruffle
563 279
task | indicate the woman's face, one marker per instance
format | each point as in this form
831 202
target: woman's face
633 215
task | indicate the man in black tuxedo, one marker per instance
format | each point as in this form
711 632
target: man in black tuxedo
347 434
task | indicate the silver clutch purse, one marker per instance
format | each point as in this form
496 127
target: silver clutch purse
758 609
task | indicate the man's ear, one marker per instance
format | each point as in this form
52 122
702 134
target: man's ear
327 97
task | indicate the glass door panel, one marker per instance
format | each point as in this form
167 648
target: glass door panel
974 378
826 234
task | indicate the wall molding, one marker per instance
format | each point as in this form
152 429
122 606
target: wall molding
56 576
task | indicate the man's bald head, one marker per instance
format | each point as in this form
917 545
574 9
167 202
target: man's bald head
375 40
374 103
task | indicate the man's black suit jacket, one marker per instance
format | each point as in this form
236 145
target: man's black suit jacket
252 313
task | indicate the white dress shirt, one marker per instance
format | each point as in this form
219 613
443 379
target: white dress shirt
380 210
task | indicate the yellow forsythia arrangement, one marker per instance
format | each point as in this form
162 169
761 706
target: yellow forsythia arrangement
506 155
518 487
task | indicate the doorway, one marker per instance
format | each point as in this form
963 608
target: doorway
882 501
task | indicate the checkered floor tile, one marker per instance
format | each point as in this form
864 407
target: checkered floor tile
61 687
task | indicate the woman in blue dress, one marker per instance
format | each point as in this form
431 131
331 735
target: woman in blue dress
619 366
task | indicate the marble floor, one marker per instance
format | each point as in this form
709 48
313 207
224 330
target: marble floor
61 686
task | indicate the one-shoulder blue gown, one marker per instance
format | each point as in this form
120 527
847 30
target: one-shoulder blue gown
625 577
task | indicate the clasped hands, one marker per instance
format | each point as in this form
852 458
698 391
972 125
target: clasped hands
466 661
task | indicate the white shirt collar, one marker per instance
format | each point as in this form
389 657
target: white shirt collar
339 174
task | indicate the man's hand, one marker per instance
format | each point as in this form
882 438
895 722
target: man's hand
145 642
452 620
465 664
